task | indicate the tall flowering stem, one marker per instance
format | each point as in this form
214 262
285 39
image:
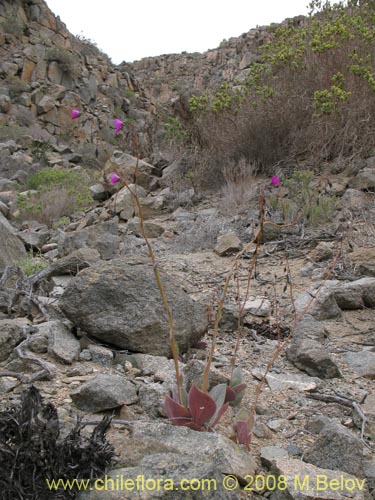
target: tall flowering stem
172 335
257 241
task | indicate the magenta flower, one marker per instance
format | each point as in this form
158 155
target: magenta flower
275 181
75 114
118 125
114 178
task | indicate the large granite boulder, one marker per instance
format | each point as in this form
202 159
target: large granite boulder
12 250
119 303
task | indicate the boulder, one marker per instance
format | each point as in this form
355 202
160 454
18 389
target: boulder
301 481
103 237
227 244
104 392
11 334
337 448
119 303
12 249
62 344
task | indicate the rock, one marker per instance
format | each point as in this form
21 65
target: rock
269 454
4 221
39 342
146 437
101 355
11 334
311 357
323 306
35 238
103 237
227 244
193 374
259 306
362 362
278 424
282 381
99 193
301 481
317 423
309 328
147 173
337 448
104 392
119 303
151 399
161 368
5 104
12 249
45 104
355 199
364 261
364 180
62 344
357 294
4 209
306 350
323 251
151 229
122 201
8 185
75 262
161 474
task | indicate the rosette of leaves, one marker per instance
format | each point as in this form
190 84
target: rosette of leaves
200 410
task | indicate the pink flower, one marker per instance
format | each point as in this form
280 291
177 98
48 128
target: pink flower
275 181
114 178
75 114
118 125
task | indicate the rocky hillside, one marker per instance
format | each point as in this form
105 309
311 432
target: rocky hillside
98 270
167 76
45 72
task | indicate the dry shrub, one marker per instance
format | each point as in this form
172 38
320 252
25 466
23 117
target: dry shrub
240 185
312 97
47 207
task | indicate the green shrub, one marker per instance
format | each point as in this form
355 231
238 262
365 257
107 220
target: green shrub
64 58
16 86
304 201
31 265
55 193
13 25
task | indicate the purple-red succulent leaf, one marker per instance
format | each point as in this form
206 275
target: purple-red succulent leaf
239 388
230 395
220 412
242 433
237 377
202 407
177 414
195 427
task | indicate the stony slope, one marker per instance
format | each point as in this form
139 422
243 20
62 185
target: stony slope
45 72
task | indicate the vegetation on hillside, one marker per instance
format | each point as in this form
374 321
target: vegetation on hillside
311 98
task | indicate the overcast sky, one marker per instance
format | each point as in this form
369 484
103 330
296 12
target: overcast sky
128 30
